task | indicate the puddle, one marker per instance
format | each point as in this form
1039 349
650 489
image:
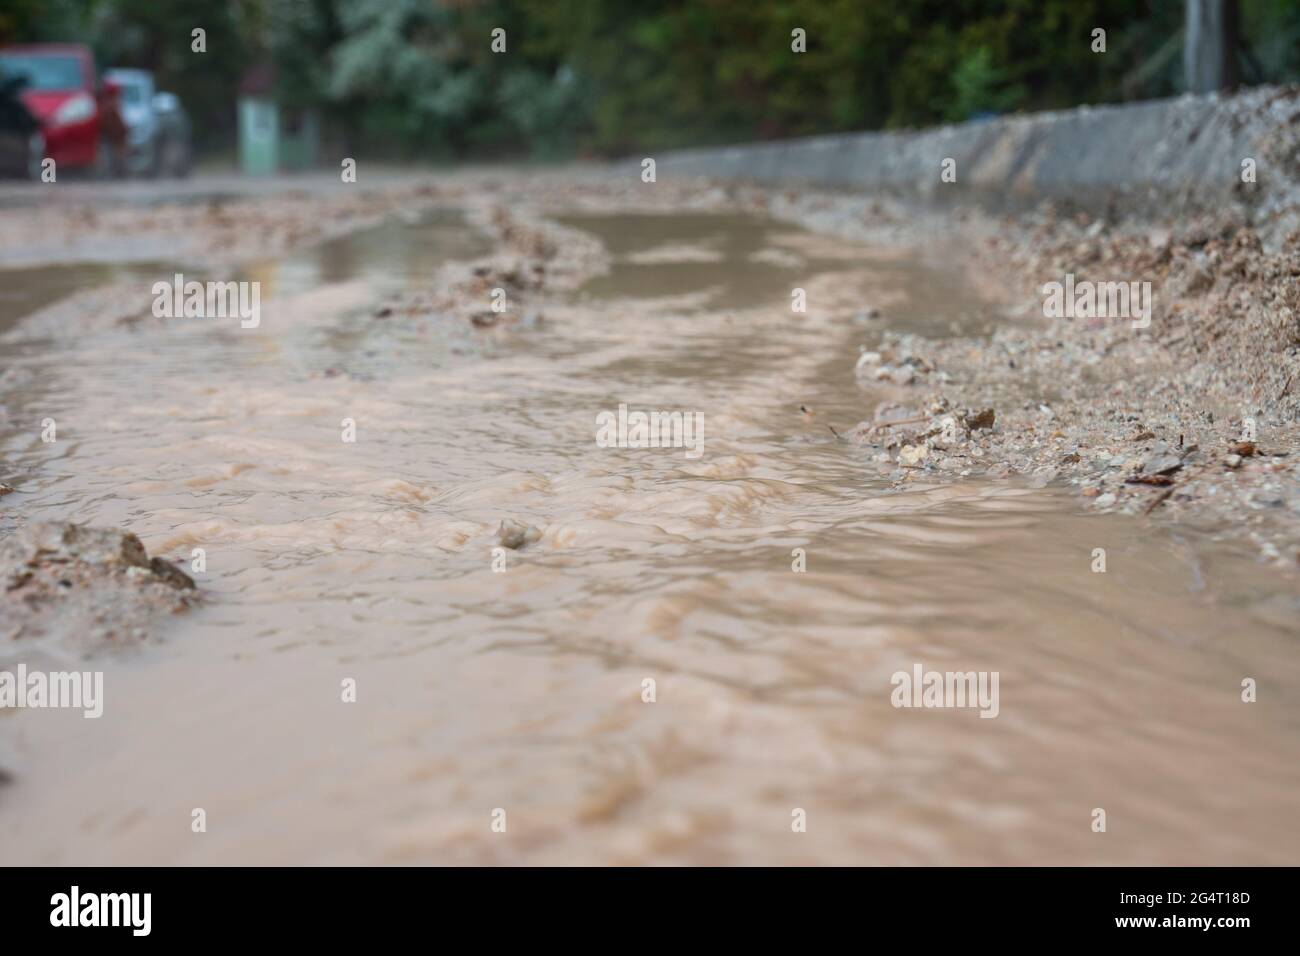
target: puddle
523 689
395 256
24 291
732 261
692 247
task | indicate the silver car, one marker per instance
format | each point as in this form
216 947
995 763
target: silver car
157 129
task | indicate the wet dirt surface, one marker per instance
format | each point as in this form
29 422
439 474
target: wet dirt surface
24 291
394 256
521 689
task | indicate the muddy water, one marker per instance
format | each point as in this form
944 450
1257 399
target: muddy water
24 291
522 690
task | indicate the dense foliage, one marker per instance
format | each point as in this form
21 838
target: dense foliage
418 77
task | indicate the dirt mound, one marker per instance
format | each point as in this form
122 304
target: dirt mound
85 586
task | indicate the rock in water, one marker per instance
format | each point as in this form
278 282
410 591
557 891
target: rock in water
79 585
515 534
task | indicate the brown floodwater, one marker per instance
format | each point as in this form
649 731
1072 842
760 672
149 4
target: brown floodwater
24 291
479 690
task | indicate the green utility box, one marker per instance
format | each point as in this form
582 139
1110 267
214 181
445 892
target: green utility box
272 137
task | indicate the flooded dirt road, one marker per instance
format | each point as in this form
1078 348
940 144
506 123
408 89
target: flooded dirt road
769 588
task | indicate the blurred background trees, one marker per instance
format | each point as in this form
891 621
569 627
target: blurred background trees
417 79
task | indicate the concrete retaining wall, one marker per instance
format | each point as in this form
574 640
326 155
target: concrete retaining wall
1188 149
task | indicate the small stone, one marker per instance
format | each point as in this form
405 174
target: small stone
952 431
1233 461
515 534
1106 500
1162 464
168 573
1157 480
913 455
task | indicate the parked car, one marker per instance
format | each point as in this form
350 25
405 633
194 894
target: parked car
81 126
21 143
157 129
174 153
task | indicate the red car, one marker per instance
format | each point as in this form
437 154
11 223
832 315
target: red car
80 122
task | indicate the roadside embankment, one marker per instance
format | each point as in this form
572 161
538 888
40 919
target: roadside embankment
1178 155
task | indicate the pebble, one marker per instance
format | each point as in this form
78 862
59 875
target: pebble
515 534
1161 464
951 432
912 454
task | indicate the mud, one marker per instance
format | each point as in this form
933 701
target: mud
500 588
71 592
1091 402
